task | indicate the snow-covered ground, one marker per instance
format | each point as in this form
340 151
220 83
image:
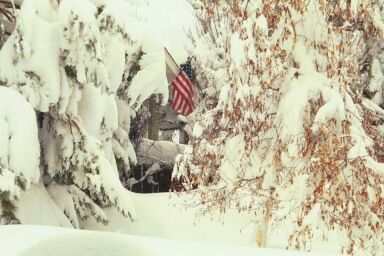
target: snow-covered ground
27 240
178 216
37 207
169 215
165 215
161 215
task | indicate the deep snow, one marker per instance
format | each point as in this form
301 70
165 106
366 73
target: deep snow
26 240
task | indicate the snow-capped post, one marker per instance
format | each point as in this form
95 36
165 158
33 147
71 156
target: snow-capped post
154 120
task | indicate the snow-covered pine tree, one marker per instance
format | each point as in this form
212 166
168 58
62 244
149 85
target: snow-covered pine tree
284 130
73 63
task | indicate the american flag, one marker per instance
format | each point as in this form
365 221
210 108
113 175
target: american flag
183 91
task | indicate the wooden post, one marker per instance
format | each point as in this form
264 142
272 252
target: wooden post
154 120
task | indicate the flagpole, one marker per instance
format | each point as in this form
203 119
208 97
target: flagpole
170 56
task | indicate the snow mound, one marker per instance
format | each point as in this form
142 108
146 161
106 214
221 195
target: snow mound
36 207
18 128
95 244
43 241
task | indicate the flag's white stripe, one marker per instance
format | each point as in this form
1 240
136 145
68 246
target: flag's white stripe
182 90
187 83
178 102
184 99
186 78
176 96
183 94
182 108
184 85
187 110
191 99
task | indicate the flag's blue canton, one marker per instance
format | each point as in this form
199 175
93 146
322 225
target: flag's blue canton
187 68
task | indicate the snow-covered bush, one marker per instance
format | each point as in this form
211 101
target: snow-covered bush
18 140
73 63
290 137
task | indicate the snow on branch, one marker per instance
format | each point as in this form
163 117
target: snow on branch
288 135
85 69
150 152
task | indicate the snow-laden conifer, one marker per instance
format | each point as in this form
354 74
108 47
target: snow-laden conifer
85 67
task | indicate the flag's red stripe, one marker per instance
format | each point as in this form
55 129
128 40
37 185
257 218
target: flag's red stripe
175 98
188 82
185 86
182 89
182 107
187 110
189 85
182 104
182 99
178 102
182 94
